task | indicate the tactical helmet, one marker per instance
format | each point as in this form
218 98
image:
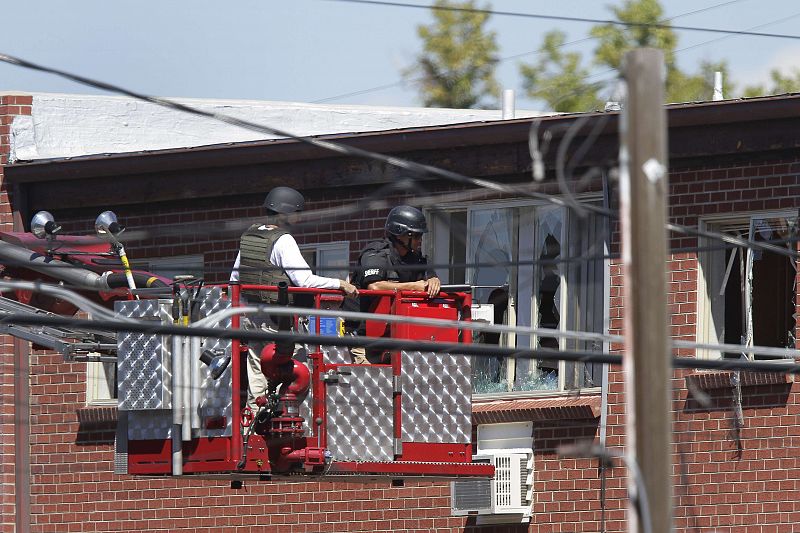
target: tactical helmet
405 219
284 200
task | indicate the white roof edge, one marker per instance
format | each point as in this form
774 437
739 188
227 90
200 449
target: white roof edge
72 125
276 103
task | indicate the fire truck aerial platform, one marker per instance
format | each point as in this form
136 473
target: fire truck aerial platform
402 412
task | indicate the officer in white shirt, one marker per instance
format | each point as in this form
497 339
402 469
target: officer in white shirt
268 255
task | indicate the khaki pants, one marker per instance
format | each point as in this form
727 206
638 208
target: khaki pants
256 380
359 356
362 356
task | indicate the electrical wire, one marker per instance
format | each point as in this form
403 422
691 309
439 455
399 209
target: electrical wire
61 292
637 491
120 322
679 50
718 39
564 169
779 353
562 18
388 344
736 242
415 169
640 498
770 246
523 54
412 167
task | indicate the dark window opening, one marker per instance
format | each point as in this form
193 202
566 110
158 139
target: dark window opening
773 301
758 288
734 304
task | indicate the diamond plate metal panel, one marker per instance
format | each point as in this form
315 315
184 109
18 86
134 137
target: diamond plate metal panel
360 415
216 394
155 420
149 425
436 397
143 369
306 412
336 355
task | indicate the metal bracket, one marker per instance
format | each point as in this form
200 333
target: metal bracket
332 376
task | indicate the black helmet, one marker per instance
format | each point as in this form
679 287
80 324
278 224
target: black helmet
405 219
284 200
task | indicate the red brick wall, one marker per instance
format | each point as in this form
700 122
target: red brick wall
729 476
731 473
10 106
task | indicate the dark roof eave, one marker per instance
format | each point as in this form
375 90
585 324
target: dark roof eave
704 114
266 151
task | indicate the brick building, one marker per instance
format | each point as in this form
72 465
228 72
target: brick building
734 169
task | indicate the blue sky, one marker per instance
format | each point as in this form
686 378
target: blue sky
311 50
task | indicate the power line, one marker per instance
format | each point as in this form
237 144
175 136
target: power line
123 322
729 241
413 167
416 169
521 54
656 25
142 265
764 25
388 344
698 45
703 9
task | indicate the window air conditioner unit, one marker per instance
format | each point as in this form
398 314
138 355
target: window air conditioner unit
509 493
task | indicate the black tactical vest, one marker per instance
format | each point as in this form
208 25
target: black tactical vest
255 267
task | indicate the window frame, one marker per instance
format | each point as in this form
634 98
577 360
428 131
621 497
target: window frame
433 246
100 385
705 331
342 246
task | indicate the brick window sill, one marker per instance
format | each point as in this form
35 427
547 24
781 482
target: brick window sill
715 379
536 410
98 418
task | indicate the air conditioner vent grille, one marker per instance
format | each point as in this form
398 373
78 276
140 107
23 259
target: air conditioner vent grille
502 481
472 494
524 481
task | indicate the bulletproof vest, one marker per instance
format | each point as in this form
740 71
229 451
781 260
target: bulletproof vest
255 267
381 249
363 304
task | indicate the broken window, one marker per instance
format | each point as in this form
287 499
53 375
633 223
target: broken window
491 250
515 257
750 293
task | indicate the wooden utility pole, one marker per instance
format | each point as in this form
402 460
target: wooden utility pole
647 358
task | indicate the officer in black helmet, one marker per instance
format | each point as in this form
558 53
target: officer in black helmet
396 262
268 254
393 263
